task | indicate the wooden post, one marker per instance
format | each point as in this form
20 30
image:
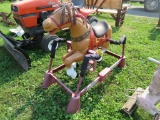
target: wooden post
158 26
159 19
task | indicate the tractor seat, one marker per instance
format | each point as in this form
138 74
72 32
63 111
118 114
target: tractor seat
100 28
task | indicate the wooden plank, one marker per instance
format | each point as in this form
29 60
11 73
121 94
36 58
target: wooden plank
130 106
109 11
159 19
125 5
137 0
90 2
110 4
115 8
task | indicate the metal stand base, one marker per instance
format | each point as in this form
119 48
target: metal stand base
47 80
74 104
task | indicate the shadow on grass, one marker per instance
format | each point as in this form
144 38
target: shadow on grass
115 29
51 103
137 116
45 104
9 68
134 116
154 34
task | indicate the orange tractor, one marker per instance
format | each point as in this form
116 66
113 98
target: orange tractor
29 15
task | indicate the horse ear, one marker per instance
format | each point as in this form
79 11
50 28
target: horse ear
69 13
74 16
63 15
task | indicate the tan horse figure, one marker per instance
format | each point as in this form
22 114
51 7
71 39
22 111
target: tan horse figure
66 16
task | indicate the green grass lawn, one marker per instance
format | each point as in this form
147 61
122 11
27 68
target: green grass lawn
22 98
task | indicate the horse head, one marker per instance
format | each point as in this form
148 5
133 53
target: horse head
61 18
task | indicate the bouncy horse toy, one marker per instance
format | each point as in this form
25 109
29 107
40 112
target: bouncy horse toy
87 45
146 99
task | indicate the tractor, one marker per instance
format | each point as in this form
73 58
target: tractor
29 15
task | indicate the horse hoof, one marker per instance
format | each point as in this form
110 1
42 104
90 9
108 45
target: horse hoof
74 75
70 71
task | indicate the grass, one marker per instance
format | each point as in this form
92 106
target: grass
22 98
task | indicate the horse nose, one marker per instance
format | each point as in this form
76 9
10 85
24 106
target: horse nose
46 24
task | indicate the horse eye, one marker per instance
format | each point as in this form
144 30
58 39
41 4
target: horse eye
66 13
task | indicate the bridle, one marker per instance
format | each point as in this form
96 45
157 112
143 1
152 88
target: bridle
59 25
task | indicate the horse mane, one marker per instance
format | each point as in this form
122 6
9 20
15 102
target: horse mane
71 13
71 10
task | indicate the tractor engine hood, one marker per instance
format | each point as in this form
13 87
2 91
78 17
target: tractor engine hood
33 6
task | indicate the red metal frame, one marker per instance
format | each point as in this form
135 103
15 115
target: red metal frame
74 103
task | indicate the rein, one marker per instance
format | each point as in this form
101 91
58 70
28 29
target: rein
58 25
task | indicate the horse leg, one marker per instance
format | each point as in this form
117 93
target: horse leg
76 57
67 55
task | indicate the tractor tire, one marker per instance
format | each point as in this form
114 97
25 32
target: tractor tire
92 20
151 5
46 42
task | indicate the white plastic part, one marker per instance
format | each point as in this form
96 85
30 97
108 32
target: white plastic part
74 64
71 72
18 31
154 60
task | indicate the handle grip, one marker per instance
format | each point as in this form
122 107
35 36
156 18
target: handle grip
54 44
121 41
86 61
